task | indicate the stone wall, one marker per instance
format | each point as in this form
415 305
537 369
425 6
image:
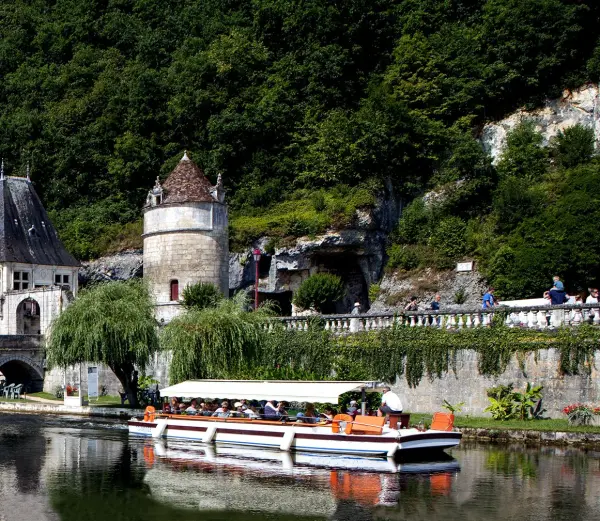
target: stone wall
467 385
178 247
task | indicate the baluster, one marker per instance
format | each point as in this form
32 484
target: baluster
508 321
412 320
541 319
476 321
531 319
459 321
596 312
338 325
468 322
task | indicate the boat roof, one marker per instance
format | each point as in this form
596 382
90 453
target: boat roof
288 390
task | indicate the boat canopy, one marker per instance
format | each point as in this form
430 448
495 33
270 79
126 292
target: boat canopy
288 390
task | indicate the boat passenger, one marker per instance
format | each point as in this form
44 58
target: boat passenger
174 405
244 404
309 415
239 411
390 403
193 408
352 408
251 412
223 411
328 414
271 411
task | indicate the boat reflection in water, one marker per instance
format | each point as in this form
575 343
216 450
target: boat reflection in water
233 478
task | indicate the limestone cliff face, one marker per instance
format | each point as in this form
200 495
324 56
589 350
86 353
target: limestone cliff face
578 106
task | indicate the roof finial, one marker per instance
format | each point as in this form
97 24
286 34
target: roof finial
2 170
185 156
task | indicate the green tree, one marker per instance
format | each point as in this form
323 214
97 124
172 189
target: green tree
320 291
201 295
215 342
573 146
524 156
111 323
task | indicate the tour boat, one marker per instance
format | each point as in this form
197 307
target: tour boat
363 435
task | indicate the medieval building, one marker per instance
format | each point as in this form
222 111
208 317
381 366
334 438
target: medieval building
185 236
38 277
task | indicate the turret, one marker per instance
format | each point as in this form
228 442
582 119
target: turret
185 236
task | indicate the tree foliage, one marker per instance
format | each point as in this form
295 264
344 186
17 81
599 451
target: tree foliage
214 342
320 291
201 295
273 94
111 323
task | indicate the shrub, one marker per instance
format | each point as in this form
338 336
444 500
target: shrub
448 237
573 146
318 201
374 291
320 291
201 295
403 257
413 225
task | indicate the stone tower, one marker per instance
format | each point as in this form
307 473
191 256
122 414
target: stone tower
185 236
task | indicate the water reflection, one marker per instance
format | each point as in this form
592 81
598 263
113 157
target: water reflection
61 470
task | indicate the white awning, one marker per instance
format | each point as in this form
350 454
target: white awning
291 391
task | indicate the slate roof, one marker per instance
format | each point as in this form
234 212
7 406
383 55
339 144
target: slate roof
187 183
26 233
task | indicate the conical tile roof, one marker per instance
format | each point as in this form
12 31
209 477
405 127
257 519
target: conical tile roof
187 183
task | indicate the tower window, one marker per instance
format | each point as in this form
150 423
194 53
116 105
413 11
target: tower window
62 280
21 280
174 290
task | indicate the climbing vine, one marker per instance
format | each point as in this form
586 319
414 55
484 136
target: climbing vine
414 353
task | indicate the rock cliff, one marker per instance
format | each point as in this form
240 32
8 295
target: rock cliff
578 106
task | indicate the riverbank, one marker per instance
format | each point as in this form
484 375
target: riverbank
44 407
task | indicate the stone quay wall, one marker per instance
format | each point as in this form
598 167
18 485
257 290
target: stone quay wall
465 384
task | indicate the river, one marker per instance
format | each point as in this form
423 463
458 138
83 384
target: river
72 469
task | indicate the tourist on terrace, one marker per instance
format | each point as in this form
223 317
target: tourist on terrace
390 403
412 305
488 299
435 306
557 296
557 283
592 299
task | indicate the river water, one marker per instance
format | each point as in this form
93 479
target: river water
70 469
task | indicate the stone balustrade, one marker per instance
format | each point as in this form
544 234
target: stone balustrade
531 317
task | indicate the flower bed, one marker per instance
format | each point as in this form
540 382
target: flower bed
581 413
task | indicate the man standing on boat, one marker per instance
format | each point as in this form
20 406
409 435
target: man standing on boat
390 403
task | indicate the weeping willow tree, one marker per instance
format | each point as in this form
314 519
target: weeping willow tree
111 323
216 342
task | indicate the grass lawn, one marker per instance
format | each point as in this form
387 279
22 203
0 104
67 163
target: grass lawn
107 401
46 396
474 422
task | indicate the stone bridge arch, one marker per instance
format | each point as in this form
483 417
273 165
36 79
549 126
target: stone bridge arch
21 369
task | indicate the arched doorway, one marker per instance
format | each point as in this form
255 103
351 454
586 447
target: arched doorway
21 370
28 317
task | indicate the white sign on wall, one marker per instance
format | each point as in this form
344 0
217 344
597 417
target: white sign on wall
92 382
464 266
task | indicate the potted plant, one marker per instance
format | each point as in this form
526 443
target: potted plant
581 413
452 409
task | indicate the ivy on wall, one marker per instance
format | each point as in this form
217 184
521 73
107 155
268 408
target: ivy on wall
414 353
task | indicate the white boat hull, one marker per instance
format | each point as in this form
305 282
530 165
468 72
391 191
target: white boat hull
296 437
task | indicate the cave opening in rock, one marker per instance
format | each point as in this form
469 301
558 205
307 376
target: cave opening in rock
346 265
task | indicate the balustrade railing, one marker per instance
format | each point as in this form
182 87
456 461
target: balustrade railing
531 317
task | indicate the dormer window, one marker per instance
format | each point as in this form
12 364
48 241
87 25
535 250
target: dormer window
20 280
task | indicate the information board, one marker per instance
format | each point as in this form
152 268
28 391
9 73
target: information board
92 382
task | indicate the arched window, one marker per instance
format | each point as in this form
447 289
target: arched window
174 290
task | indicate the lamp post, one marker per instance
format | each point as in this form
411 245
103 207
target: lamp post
256 253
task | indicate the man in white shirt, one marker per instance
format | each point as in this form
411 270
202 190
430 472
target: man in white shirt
390 403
